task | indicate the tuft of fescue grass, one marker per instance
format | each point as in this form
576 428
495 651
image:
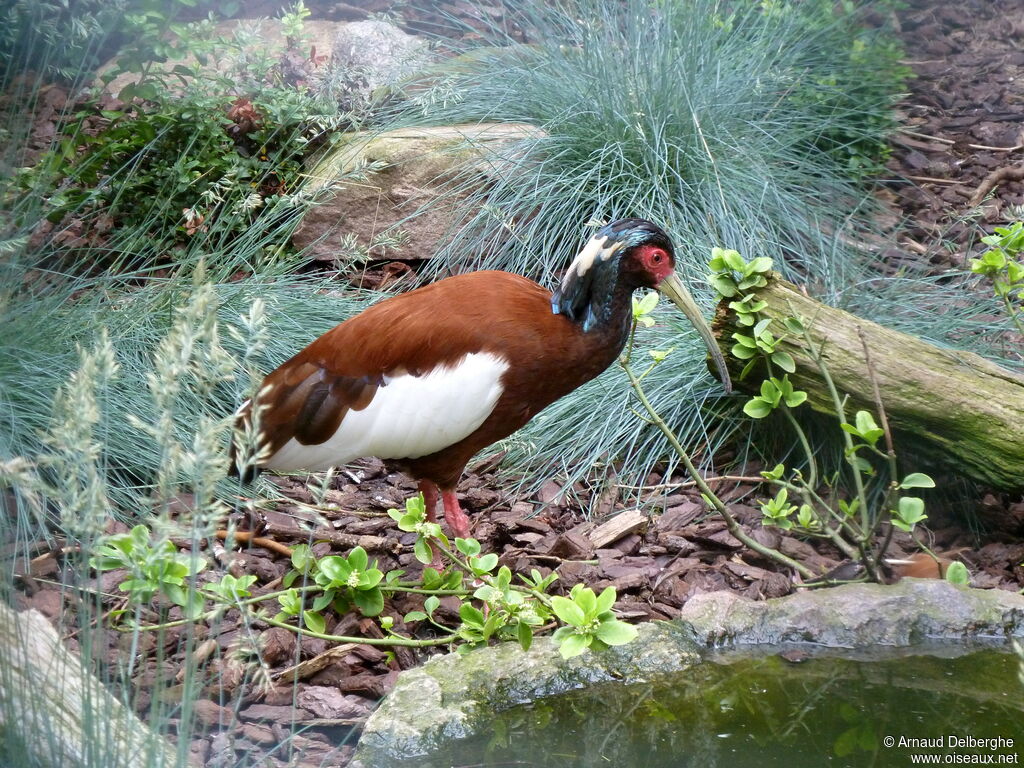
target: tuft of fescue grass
740 125
154 399
729 124
711 125
138 430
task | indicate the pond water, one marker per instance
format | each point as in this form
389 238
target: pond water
737 711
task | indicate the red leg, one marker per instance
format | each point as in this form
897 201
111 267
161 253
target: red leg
458 521
430 496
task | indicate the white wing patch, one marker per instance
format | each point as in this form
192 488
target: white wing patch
409 417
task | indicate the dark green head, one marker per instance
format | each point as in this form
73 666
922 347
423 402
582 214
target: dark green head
619 258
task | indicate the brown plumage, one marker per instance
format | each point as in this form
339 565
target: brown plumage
428 378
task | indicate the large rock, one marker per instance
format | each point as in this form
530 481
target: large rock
858 615
369 55
404 172
63 715
353 59
451 697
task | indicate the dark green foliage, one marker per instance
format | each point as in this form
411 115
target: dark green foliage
65 39
172 165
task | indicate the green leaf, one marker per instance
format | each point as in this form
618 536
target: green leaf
574 645
911 510
314 622
863 466
194 604
605 600
471 615
422 551
647 304
290 602
567 610
798 397
504 578
659 355
917 480
784 360
524 635
766 343
587 601
771 392
957 573
357 559
805 517
794 325
414 616
867 428
724 286
431 579
733 260
742 352
431 604
335 568
369 579
761 264
754 281
757 408
615 632
302 557
486 563
468 547
323 600
762 326
175 593
846 743
369 601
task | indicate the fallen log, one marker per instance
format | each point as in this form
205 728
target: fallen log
57 712
950 409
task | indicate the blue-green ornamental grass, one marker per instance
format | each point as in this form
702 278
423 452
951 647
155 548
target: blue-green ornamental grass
726 123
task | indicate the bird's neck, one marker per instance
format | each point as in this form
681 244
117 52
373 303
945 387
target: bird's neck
605 309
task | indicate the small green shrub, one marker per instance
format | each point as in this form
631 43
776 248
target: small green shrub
203 147
851 522
503 610
1002 264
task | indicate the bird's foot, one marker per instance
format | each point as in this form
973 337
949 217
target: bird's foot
458 520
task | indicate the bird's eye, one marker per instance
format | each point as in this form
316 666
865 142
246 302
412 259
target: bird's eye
656 258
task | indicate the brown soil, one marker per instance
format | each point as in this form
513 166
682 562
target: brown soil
963 128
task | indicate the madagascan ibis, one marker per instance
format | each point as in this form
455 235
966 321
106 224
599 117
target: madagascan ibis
426 379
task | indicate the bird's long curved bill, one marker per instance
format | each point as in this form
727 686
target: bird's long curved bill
673 288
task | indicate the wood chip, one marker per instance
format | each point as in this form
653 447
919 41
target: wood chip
621 525
304 669
572 545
